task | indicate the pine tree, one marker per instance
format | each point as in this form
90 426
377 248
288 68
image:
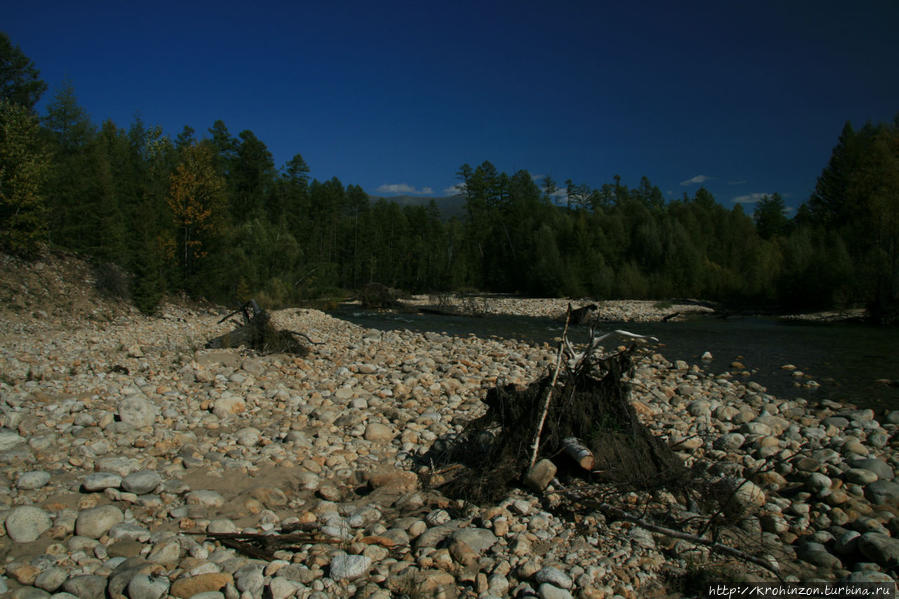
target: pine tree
23 165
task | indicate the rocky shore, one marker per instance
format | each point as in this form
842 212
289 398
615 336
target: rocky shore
123 444
606 310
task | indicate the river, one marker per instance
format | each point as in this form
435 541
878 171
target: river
849 361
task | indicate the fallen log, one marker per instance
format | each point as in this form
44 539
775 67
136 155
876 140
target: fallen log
577 451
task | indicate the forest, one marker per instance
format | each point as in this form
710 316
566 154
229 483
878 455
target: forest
210 214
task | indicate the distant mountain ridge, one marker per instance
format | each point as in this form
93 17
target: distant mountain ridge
449 206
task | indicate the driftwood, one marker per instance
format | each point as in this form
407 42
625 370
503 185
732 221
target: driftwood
580 315
698 540
264 546
257 332
580 453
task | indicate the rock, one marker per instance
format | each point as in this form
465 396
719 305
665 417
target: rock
142 482
98 481
166 553
86 587
29 593
203 583
26 523
348 567
137 411
32 480
250 579
730 441
859 476
95 522
282 588
548 591
882 492
143 586
539 477
205 498
816 554
878 467
748 494
248 436
51 579
554 576
9 439
880 548
378 432
228 405
817 482
478 539
392 479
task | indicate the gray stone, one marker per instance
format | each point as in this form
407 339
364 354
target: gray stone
859 476
143 586
205 498
141 482
137 411
554 576
700 408
548 591
730 441
51 579
479 539
248 436
282 588
817 482
250 579
29 593
99 481
95 522
222 525
847 543
817 554
882 492
378 432
121 465
9 439
878 467
166 552
26 523
542 473
86 587
348 567
879 548
32 480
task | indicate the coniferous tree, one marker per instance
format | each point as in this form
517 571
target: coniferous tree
20 81
23 165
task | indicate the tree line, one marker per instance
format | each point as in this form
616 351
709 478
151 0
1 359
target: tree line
214 216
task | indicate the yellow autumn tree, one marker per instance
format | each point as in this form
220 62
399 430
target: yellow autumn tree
197 200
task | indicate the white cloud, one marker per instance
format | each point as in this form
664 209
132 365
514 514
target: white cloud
696 180
404 188
750 198
457 189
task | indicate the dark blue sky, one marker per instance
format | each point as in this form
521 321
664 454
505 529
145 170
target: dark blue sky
746 98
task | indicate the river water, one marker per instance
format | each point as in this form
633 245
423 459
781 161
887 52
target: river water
849 361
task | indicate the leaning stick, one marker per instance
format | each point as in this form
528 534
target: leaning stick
535 446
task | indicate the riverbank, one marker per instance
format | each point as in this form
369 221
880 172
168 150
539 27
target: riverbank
123 442
555 308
